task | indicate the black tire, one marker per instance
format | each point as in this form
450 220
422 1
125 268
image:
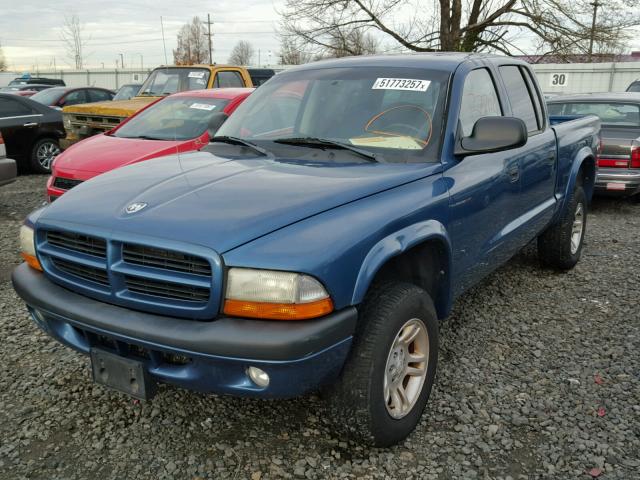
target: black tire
37 163
555 244
358 399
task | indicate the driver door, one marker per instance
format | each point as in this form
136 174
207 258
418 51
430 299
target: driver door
484 192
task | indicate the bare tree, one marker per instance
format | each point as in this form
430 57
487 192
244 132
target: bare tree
3 60
344 42
242 53
72 34
292 53
193 45
454 25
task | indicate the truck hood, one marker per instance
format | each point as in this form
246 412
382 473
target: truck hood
221 203
102 153
119 108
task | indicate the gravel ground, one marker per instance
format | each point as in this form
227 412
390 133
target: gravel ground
539 377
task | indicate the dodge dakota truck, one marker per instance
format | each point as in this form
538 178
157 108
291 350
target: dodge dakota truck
82 121
318 239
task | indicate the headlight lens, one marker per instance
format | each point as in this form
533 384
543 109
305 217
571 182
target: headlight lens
28 248
66 121
275 295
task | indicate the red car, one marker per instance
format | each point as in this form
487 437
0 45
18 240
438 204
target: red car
174 124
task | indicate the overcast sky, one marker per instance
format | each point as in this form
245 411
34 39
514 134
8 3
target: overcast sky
30 30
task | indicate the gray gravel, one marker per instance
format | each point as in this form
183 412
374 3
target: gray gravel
539 377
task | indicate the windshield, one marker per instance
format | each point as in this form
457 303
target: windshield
164 81
610 113
48 96
393 112
126 92
178 118
634 87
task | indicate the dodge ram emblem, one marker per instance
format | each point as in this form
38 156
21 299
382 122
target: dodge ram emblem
135 207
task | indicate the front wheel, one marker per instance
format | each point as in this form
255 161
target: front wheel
42 155
388 377
560 246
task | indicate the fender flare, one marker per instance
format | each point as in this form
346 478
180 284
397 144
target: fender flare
581 157
397 243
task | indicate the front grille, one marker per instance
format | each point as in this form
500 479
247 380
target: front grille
162 289
65 183
92 274
165 259
78 243
142 277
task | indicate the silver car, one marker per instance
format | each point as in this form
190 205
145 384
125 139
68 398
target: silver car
619 159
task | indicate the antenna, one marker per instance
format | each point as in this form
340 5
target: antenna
166 62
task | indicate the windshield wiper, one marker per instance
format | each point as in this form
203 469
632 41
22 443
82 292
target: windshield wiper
240 141
325 142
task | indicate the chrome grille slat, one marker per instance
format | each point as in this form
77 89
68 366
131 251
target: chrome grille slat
80 243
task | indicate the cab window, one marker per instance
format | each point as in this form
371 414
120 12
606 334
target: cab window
479 99
228 79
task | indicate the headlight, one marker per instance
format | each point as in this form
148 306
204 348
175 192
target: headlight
66 122
28 248
275 295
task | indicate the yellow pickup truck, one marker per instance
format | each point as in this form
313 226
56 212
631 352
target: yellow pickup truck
82 121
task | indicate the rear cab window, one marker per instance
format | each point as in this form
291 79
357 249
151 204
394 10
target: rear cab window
228 79
521 97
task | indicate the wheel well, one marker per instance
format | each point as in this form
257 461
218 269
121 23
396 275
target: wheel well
424 265
586 176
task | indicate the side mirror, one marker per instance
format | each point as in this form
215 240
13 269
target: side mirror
493 134
215 122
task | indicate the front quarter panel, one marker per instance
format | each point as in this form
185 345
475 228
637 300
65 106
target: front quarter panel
344 247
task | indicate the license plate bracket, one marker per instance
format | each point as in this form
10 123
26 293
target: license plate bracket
122 374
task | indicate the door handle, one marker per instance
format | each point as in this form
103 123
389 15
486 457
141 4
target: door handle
32 124
514 174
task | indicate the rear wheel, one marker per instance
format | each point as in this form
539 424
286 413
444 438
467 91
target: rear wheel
560 246
388 377
42 155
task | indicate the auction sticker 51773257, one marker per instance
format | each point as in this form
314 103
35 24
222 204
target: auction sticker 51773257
401 84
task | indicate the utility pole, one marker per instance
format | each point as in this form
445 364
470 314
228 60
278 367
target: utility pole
209 23
595 6
122 60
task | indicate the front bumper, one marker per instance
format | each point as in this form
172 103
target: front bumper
8 170
620 181
207 356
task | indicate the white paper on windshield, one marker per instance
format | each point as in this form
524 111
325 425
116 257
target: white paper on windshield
410 84
196 74
202 106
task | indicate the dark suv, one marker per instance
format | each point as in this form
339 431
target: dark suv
38 81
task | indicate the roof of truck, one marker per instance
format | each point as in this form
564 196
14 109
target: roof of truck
438 60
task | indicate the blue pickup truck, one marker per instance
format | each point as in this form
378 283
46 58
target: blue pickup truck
318 239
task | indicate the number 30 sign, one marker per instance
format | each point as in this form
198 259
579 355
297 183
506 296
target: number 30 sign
559 80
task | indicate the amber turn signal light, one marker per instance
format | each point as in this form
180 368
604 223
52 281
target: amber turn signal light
278 311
